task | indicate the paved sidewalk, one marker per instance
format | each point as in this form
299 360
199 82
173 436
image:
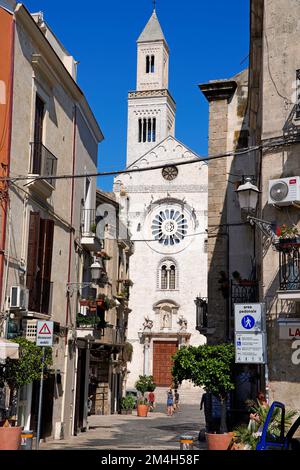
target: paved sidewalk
126 432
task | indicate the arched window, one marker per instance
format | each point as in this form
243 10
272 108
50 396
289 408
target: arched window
172 277
147 64
168 275
152 64
164 277
146 130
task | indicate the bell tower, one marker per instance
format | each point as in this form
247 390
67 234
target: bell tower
151 108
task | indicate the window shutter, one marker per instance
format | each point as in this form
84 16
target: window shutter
32 256
47 227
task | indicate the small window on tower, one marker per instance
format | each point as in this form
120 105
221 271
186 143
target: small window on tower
154 130
149 129
144 130
140 130
152 63
147 64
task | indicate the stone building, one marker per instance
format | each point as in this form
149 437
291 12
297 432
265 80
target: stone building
258 110
166 211
109 350
47 233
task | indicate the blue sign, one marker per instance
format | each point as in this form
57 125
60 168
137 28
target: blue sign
248 322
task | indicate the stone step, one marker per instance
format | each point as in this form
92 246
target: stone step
187 395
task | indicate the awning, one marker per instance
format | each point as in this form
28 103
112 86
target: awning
8 349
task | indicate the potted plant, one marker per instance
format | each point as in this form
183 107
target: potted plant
127 404
242 282
143 385
93 228
16 373
287 237
246 437
211 367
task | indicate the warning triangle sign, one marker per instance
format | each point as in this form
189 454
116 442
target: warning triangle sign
45 330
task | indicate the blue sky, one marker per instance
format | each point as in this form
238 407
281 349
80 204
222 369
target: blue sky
207 40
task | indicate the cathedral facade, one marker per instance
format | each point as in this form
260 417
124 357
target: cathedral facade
166 211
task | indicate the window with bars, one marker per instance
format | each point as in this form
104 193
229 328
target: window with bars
147 130
150 64
164 277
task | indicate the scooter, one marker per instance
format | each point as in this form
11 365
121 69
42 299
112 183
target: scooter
269 441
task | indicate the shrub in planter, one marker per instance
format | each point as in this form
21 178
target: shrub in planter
144 384
18 372
211 367
127 404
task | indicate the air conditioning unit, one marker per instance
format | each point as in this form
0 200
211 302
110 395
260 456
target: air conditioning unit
18 298
284 191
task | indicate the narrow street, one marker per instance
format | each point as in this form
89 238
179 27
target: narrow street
125 432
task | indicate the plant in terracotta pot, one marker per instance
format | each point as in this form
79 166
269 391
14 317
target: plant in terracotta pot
143 385
210 367
127 404
16 373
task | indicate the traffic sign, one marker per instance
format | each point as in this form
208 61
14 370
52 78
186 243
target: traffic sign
44 334
249 318
250 348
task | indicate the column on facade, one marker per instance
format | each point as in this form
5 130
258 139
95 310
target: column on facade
146 355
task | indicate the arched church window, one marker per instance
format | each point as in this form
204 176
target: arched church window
144 130
154 130
140 130
172 277
164 277
149 129
152 63
167 275
147 64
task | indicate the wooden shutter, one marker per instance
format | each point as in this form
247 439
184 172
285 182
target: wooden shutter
45 263
32 256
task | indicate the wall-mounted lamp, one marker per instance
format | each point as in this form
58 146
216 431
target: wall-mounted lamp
248 196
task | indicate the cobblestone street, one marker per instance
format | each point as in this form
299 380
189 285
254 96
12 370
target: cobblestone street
125 432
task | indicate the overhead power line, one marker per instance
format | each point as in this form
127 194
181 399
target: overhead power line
243 151
128 170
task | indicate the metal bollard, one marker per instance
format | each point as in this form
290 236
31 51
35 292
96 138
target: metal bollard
186 442
26 440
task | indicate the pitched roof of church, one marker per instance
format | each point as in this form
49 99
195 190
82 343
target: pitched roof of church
152 30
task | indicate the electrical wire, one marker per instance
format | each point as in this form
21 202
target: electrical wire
132 170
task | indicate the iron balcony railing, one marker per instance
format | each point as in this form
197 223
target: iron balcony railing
289 267
243 292
43 162
88 221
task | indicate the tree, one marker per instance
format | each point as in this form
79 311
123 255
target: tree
145 384
210 367
18 372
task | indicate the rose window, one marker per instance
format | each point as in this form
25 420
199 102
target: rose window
169 227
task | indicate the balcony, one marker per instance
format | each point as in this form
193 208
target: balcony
289 271
43 163
245 291
88 230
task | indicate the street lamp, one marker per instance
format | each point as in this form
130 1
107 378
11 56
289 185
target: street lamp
96 270
248 196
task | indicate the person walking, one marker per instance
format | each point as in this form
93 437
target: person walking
170 402
176 400
151 400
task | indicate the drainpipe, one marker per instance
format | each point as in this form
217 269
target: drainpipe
6 163
69 276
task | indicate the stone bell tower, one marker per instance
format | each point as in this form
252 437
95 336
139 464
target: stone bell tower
151 108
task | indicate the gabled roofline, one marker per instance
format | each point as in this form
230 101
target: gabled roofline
160 143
